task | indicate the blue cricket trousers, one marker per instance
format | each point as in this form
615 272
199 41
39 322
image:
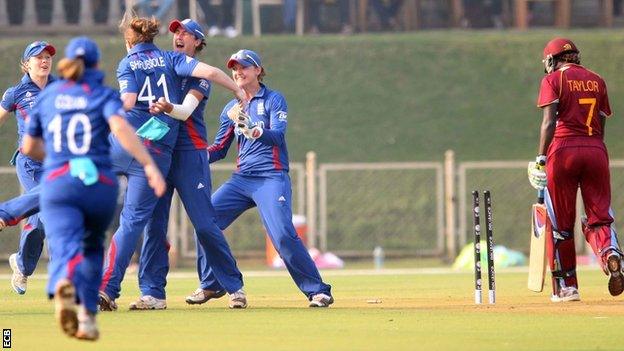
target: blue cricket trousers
139 203
77 217
32 236
190 175
17 208
271 192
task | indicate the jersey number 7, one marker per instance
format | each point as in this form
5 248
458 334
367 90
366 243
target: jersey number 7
590 115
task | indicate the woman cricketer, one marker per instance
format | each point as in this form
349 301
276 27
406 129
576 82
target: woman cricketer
68 128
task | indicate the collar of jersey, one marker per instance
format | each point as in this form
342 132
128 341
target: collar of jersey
142 47
27 80
261 92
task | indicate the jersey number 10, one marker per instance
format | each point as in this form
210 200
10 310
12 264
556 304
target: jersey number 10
56 126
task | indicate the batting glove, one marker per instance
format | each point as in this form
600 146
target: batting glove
537 172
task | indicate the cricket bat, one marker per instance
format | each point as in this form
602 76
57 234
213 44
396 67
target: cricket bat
540 224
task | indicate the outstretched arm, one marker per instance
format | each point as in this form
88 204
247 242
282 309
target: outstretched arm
216 75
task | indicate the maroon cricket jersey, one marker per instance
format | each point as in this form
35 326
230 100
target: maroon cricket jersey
581 96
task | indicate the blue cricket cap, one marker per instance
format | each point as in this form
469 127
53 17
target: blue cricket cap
245 58
189 25
35 48
84 48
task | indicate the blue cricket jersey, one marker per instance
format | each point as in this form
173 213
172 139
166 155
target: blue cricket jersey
152 73
20 99
268 109
193 135
72 118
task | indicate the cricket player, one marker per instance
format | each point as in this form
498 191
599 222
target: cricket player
572 154
261 178
73 118
36 64
145 75
189 175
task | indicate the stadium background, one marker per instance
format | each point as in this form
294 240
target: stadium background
389 97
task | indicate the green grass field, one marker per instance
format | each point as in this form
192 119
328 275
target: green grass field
419 310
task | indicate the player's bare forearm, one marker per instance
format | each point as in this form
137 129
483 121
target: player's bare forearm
33 148
547 130
129 100
216 75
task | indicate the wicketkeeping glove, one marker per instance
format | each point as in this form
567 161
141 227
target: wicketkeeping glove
537 172
243 122
252 133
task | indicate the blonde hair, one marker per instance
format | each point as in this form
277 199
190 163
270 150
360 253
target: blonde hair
71 69
24 66
139 29
261 75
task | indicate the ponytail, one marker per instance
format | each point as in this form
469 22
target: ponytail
138 29
71 69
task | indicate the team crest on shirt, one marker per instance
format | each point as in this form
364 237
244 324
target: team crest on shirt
204 84
282 116
28 94
260 105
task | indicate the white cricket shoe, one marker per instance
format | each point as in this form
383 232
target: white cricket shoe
200 296
321 300
106 302
230 32
213 31
19 281
65 307
148 302
238 299
569 293
87 327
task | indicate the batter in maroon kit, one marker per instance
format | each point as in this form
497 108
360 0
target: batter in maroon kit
572 154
